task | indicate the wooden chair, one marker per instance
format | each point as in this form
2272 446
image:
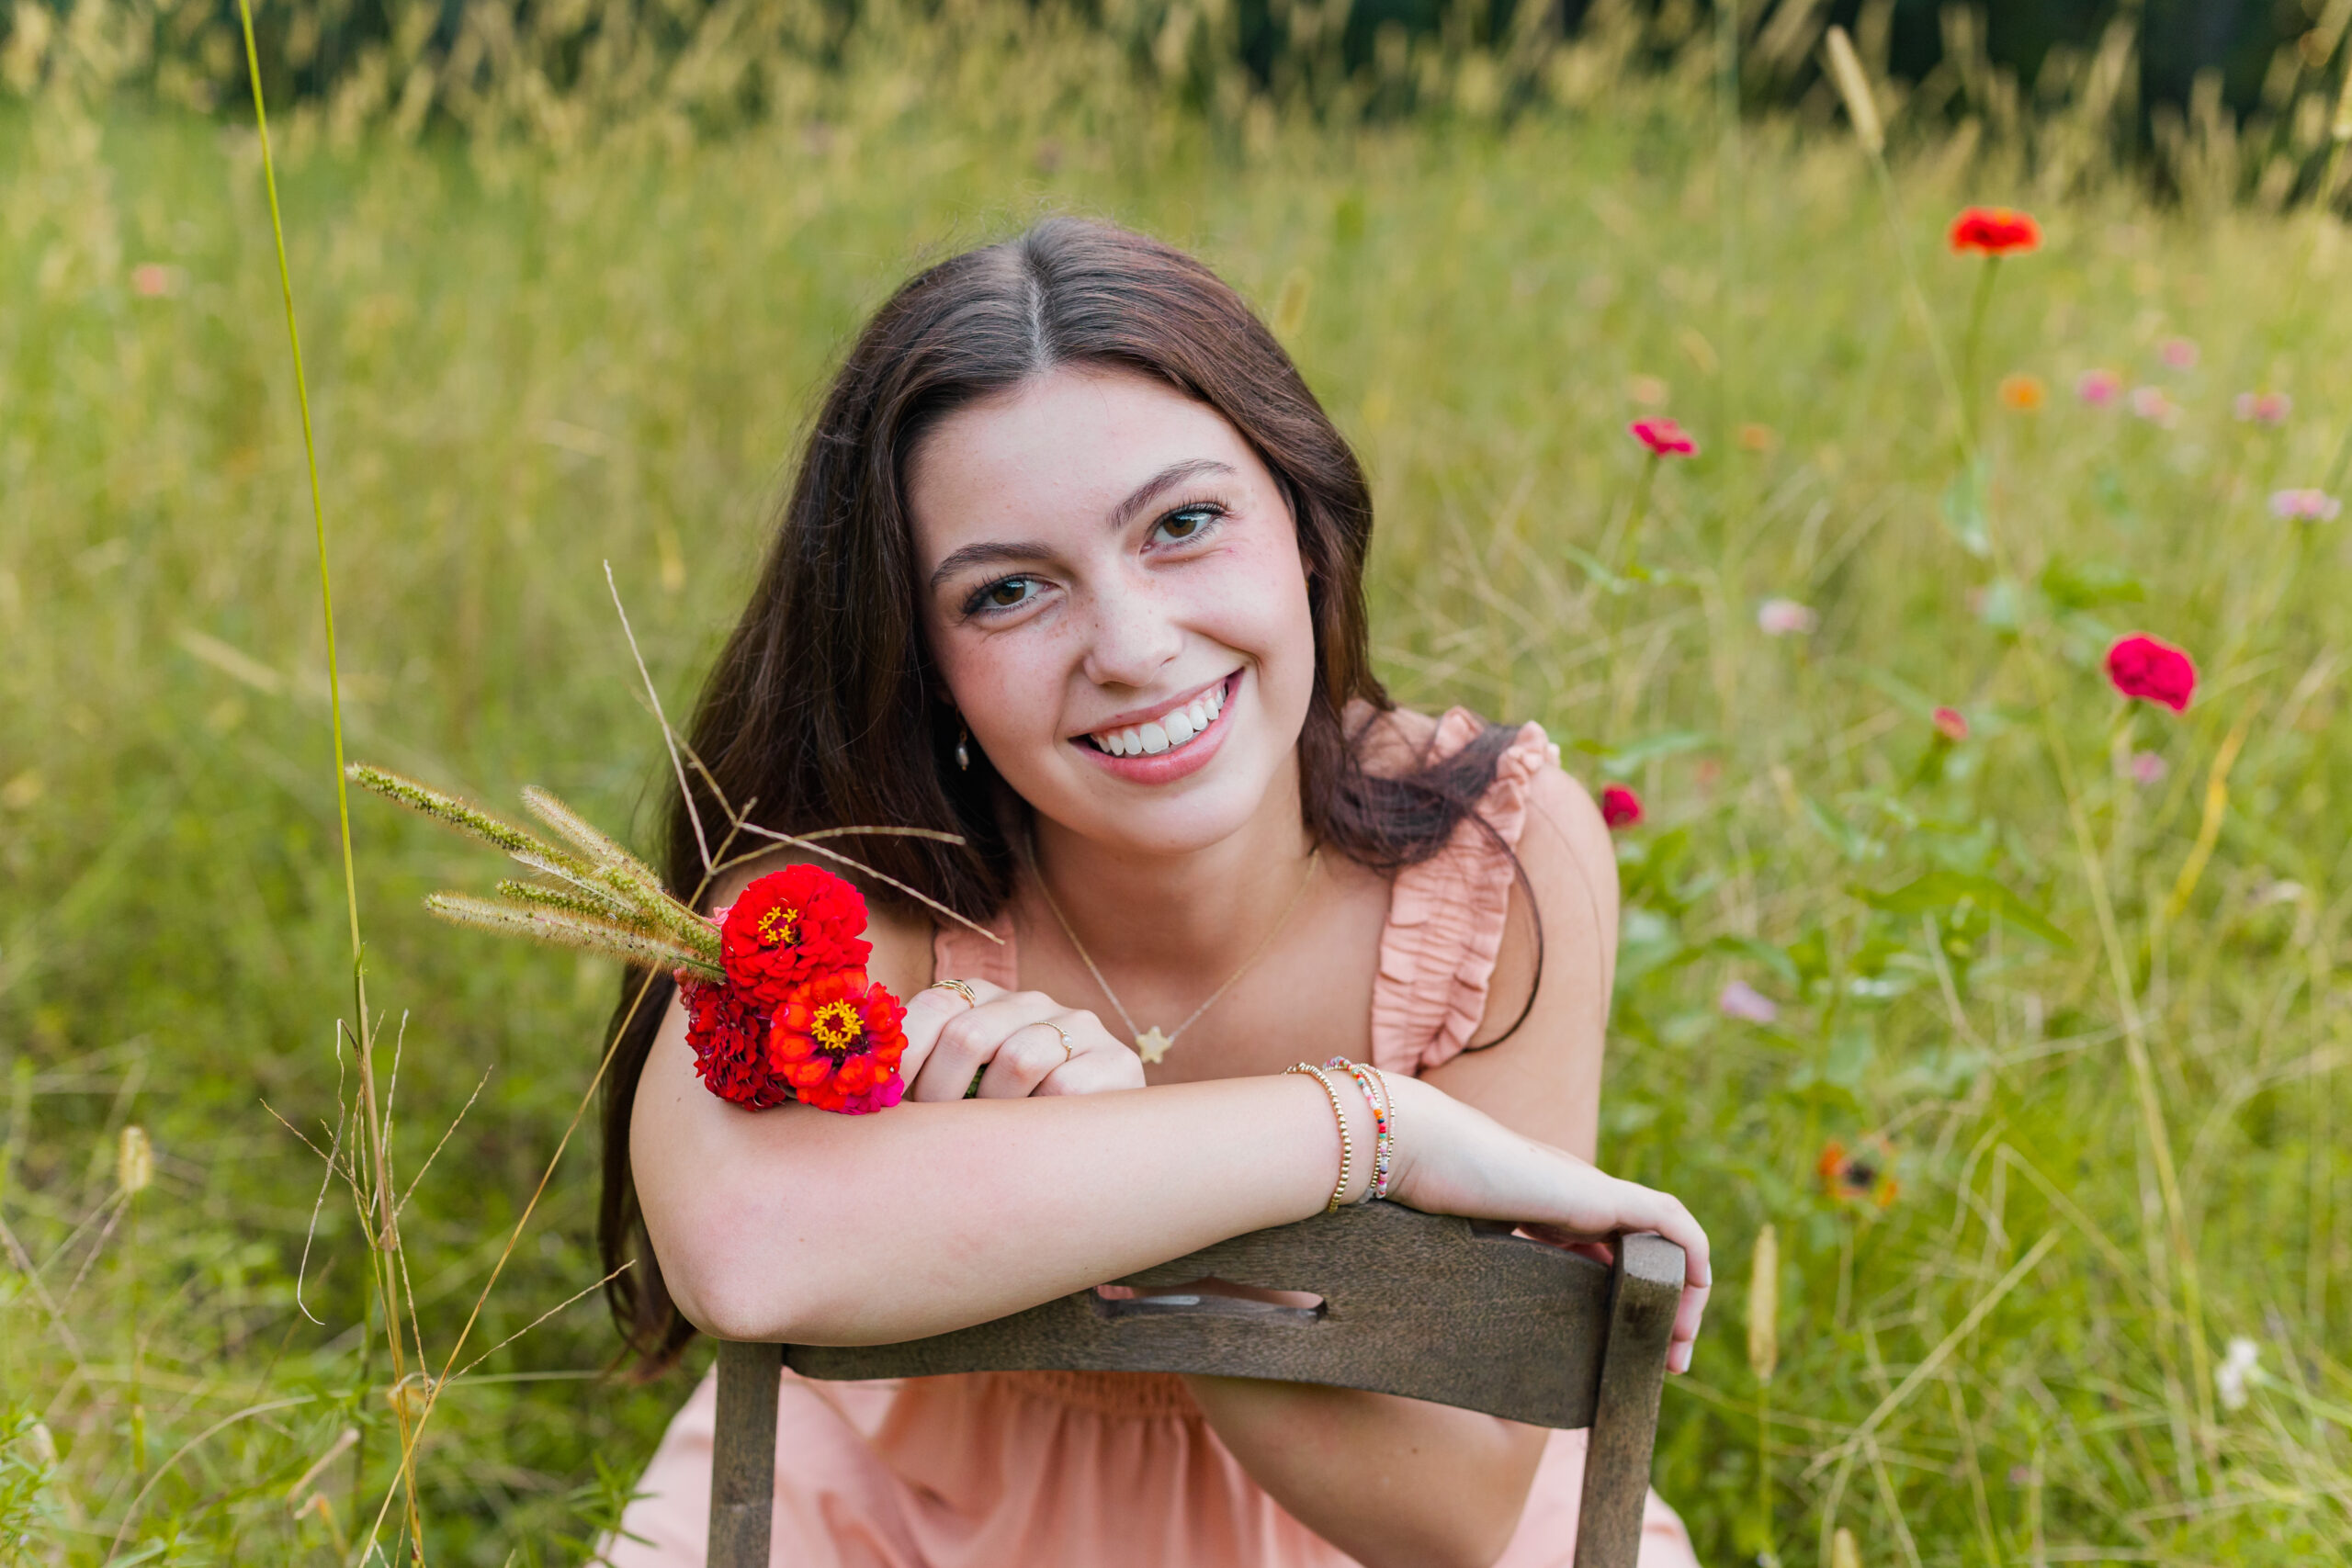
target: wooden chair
1417 1304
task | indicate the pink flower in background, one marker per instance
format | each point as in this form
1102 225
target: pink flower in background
1951 724
1785 617
1620 807
1664 438
2304 505
150 280
2263 408
2151 670
2178 353
2147 768
2150 404
1744 1002
2100 389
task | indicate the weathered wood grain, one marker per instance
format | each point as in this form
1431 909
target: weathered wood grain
742 1468
1645 1287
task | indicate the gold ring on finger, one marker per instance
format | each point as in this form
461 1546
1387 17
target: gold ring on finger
958 987
1067 1050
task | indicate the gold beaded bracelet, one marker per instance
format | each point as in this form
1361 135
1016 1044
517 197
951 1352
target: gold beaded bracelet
1347 1145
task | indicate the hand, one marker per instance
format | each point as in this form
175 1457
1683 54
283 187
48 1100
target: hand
1453 1159
1005 1038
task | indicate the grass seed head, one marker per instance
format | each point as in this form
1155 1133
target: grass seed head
1764 1305
134 1161
1854 86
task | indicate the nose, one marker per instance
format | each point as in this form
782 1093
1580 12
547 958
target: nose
1131 636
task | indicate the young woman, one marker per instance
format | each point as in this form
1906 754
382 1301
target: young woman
1072 568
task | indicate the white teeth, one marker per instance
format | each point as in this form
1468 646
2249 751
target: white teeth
1172 729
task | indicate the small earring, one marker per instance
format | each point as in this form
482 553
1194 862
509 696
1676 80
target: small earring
963 751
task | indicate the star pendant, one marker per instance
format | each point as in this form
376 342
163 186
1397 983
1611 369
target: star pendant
1152 1045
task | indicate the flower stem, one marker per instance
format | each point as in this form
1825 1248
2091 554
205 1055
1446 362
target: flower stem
1630 550
1969 368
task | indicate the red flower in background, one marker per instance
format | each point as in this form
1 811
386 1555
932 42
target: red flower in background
1664 438
729 1034
1620 807
837 1040
789 927
2151 670
1951 724
1995 232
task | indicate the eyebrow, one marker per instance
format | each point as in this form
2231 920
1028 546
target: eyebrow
1121 515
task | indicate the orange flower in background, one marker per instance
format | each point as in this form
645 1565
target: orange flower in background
1663 437
1994 232
837 1041
2023 392
1864 1175
1756 437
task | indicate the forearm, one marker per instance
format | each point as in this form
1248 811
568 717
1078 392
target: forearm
1387 1481
802 1225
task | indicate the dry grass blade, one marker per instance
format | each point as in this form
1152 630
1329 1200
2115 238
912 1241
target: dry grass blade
565 930
583 835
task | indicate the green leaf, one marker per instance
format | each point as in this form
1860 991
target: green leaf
1964 511
1621 762
1940 890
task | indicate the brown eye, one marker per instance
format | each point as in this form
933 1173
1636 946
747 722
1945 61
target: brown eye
1005 593
1187 522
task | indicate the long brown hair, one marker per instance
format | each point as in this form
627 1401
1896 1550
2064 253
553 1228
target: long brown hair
824 707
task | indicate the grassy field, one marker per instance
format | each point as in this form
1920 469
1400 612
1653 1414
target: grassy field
2067 987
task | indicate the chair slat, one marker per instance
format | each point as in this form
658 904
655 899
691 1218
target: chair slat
1646 1289
1423 1305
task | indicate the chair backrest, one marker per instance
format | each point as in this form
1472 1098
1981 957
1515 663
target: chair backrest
1422 1305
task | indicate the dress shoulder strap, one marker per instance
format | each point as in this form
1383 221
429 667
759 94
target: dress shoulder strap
1446 914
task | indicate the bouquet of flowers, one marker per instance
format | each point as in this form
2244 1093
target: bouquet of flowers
775 986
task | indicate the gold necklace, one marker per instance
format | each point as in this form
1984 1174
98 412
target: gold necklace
1150 1043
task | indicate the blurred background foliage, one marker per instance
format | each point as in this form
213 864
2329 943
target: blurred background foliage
2026 1043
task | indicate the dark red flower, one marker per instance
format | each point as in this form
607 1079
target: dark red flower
728 1033
1951 724
1664 438
837 1040
2152 671
789 927
1995 232
1620 807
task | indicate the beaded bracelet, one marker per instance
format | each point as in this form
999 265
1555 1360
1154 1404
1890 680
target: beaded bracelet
1384 1122
1347 1145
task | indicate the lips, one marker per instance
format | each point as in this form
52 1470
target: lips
1167 730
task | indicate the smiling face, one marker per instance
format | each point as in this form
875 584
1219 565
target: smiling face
1113 591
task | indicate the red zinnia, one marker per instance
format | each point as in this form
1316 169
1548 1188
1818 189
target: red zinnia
2155 671
1620 807
1995 232
1664 438
837 1041
788 926
729 1034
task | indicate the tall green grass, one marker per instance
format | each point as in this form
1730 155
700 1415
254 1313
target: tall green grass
528 358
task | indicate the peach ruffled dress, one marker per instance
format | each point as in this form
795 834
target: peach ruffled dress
1078 1470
